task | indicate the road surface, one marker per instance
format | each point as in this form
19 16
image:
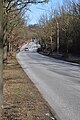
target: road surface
58 81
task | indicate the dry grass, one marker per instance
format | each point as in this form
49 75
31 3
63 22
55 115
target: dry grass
22 100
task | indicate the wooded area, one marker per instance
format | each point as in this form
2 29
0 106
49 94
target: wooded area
62 26
12 28
58 31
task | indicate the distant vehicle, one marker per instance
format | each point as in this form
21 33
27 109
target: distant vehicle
39 49
26 49
32 46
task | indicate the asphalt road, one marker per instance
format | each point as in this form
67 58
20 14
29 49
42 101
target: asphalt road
58 81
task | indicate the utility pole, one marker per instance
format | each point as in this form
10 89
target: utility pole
57 38
1 52
51 41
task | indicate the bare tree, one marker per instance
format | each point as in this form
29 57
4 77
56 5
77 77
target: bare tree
6 7
1 50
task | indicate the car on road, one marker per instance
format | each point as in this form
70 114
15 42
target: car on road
26 49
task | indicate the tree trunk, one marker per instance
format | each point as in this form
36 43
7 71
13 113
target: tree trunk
1 52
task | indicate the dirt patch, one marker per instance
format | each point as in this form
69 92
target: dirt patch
22 100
